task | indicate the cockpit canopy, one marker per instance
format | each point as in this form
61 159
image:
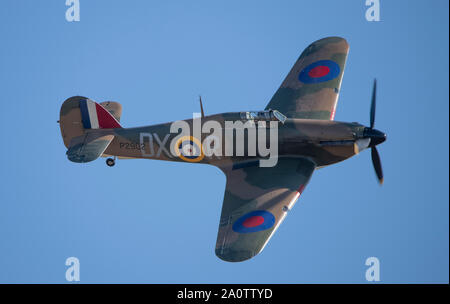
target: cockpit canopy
268 115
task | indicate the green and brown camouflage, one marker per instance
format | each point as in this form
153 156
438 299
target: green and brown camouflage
316 100
257 198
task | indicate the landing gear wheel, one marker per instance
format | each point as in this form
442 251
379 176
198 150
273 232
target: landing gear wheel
110 162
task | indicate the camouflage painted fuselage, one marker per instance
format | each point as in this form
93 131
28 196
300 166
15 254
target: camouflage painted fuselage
322 141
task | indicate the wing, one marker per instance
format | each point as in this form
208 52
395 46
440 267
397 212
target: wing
256 201
311 89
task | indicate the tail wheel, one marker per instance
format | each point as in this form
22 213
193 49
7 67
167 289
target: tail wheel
110 162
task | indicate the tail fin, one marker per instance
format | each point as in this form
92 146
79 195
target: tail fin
114 108
79 117
95 116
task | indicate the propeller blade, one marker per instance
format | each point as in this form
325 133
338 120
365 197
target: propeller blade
377 164
373 104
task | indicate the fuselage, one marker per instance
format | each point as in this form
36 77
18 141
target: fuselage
324 142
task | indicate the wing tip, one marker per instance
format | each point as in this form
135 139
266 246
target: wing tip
332 40
230 255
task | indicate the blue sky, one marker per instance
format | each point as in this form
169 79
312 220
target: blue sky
156 222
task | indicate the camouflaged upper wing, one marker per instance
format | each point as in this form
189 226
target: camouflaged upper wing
256 201
311 89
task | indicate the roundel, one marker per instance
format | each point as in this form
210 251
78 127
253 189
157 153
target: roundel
254 221
189 148
319 71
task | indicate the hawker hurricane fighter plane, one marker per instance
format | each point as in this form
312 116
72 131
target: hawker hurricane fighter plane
268 156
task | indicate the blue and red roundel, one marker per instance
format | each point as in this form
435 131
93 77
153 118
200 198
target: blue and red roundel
319 71
254 221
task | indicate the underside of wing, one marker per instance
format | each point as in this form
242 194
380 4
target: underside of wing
311 89
256 201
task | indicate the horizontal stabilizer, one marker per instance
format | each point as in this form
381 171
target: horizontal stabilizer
88 147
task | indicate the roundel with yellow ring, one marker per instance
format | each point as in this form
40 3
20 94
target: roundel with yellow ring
189 149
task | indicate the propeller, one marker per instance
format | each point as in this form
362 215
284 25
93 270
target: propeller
376 137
